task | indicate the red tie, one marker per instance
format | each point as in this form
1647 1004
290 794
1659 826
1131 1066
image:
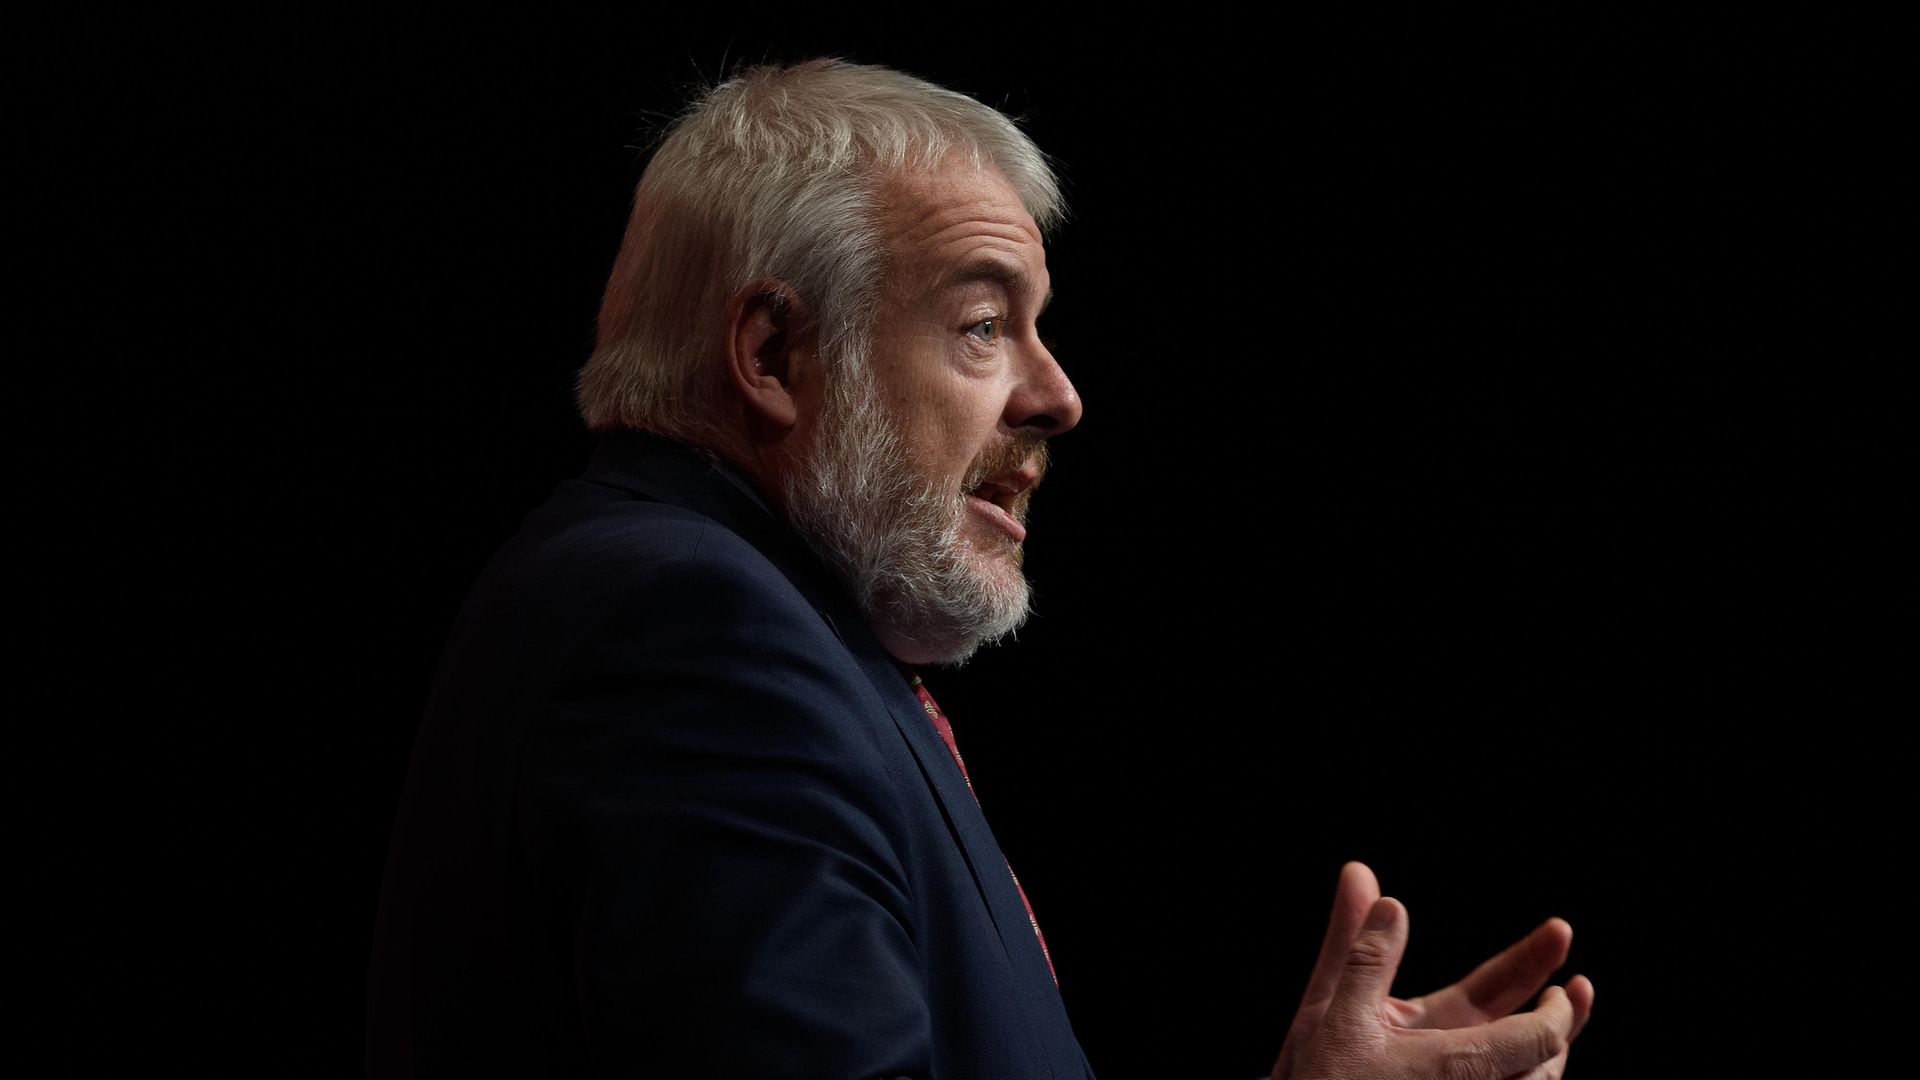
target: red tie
945 729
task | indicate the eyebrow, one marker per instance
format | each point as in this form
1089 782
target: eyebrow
1011 279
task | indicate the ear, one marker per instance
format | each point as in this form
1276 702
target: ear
765 359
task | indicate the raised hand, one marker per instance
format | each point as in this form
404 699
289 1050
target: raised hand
1349 1026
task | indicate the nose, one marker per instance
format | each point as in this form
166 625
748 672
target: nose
1045 399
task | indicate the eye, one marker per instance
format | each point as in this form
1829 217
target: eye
986 329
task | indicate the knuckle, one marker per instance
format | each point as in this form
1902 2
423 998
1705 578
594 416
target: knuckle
1554 1034
1465 1063
1550 1043
1370 950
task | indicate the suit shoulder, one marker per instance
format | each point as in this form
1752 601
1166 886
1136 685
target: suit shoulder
586 546
595 567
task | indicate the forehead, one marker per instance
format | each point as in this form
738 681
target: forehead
945 217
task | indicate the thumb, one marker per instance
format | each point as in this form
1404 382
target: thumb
1372 960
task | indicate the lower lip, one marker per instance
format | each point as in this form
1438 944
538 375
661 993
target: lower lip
999 517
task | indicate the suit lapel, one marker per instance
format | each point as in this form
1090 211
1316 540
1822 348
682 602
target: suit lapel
962 811
968 826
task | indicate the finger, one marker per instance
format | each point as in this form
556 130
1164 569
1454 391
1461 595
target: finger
1580 993
1503 983
1580 996
1353 897
1372 960
1513 1045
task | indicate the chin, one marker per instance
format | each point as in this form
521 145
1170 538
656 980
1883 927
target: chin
948 646
980 600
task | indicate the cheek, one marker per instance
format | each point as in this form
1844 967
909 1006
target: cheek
945 428
965 434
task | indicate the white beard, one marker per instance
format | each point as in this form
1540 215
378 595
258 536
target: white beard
895 537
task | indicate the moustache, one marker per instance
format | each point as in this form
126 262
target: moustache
1014 454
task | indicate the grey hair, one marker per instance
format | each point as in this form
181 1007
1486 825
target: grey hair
776 173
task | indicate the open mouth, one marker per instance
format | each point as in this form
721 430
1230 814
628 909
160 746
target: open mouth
1004 487
1005 498
1002 506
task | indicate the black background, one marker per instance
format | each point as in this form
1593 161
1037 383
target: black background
1460 489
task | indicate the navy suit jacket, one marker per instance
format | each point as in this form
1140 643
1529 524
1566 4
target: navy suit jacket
673 811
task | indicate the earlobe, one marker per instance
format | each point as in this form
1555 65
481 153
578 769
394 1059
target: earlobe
763 357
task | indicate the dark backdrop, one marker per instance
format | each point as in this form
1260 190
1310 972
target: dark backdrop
1457 491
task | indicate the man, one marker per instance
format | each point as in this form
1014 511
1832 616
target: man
680 801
